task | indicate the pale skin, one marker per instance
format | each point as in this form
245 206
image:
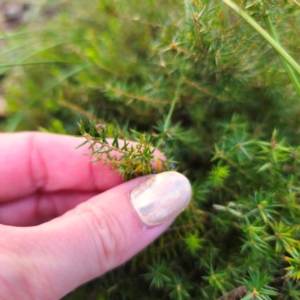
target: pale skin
63 220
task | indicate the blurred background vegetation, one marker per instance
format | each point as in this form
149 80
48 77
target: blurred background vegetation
234 131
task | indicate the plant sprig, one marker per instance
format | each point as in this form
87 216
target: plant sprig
131 160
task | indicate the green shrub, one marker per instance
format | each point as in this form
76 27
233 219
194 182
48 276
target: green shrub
226 106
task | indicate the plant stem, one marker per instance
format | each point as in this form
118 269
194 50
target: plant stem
187 9
91 138
265 35
171 110
288 69
174 101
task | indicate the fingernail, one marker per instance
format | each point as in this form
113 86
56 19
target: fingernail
161 197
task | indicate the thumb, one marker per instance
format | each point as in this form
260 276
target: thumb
105 231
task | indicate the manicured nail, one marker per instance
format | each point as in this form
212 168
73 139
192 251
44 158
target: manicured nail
161 197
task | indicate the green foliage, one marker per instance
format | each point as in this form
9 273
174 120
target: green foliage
205 87
218 175
130 161
257 286
194 243
159 274
293 271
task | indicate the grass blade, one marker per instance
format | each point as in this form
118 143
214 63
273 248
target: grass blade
265 35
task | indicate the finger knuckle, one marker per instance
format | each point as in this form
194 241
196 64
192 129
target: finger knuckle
107 235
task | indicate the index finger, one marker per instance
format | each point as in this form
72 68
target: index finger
35 161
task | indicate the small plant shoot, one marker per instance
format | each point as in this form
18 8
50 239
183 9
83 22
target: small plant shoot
129 159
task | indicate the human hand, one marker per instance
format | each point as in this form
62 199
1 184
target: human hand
65 221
